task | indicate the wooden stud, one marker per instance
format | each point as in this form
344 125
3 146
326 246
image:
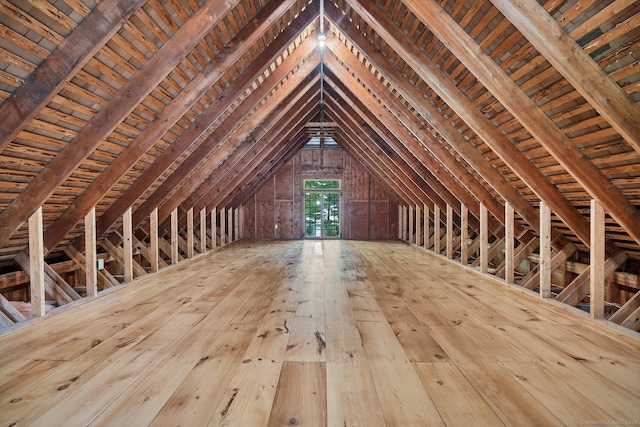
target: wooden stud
464 234
174 236
127 245
399 221
153 234
214 228
545 250
411 225
436 229
418 227
223 228
597 251
508 242
426 227
484 239
405 214
91 262
203 230
449 231
241 221
230 224
190 233
236 219
36 264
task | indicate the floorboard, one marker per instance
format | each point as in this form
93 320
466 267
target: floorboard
313 333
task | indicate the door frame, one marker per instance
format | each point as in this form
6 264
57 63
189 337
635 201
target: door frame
322 191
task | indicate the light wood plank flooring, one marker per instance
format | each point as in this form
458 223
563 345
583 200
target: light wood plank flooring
314 333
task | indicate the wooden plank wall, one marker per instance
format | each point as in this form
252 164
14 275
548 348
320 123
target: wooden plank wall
368 212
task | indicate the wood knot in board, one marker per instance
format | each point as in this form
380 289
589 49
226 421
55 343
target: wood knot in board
95 343
322 344
231 399
292 422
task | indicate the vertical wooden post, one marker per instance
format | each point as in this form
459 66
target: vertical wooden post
174 236
241 221
153 233
596 261
214 228
36 264
410 239
127 245
223 229
545 250
426 227
230 223
464 234
484 239
436 229
236 222
190 233
404 222
91 268
203 230
508 242
399 221
418 228
449 231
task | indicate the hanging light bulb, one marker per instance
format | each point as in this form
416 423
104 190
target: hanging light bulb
321 36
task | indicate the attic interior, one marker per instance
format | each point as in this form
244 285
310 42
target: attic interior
498 140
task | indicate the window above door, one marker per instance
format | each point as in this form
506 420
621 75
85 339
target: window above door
321 184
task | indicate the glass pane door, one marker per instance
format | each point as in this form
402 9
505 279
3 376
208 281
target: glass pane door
321 214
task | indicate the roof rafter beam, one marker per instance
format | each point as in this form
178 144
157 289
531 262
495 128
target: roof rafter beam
443 184
210 74
367 152
265 167
282 123
532 118
441 157
371 130
355 107
427 111
205 120
95 30
492 136
111 115
355 148
600 90
189 183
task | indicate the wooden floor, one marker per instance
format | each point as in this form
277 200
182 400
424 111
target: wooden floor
314 333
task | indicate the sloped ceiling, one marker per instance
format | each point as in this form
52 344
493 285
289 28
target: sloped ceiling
194 104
